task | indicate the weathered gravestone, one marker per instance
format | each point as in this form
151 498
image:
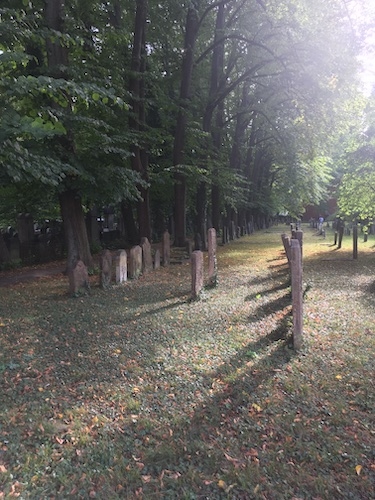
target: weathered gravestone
212 262
121 267
286 243
106 269
146 255
166 248
196 274
135 262
79 279
157 259
297 293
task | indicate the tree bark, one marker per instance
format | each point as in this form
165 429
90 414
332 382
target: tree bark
4 252
131 230
214 108
57 55
75 230
70 203
191 30
139 159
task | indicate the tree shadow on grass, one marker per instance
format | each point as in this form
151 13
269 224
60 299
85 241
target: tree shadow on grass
272 307
224 423
264 293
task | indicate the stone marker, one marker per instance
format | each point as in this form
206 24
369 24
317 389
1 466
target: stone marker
299 237
157 259
166 248
146 255
196 274
106 269
212 263
286 243
297 293
79 279
121 267
135 262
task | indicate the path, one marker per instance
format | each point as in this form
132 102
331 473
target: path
22 275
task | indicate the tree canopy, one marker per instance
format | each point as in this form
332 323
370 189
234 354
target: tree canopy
208 110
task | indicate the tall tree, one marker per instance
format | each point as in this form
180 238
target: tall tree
137 118
70 198
191 31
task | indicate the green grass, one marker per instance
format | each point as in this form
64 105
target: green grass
137 392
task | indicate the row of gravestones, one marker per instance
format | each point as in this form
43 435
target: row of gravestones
140 262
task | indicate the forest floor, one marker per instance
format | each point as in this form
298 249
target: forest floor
138 392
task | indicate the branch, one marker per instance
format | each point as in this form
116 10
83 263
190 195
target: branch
239 38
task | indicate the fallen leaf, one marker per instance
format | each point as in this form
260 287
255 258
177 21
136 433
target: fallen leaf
358 469
222 484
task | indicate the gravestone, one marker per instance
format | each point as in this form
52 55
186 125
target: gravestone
196 274
135 262
286 243
157 259
212 262
146 255
106 269
166 248
79 279
121 267
297 293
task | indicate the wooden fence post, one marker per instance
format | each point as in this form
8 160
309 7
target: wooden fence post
297 295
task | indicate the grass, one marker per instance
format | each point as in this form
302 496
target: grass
137 392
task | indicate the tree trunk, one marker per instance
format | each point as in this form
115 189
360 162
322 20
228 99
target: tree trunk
57 55
217 110
75 230
139 159
131 231
4 252
70 203
191 30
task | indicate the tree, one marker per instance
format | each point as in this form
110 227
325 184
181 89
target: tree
55 108
356 193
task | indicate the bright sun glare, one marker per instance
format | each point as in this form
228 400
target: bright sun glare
367 58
